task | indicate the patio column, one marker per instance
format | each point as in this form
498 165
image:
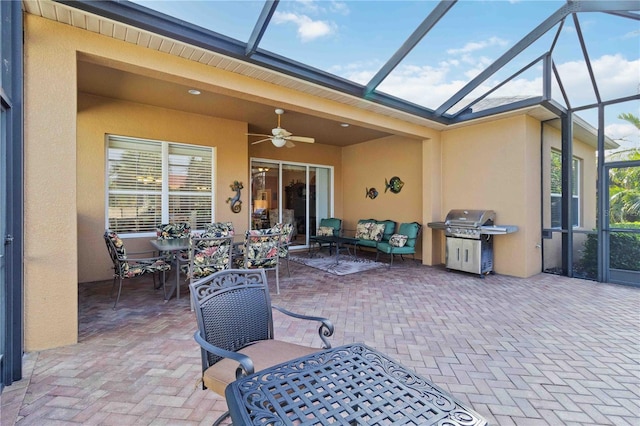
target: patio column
50 233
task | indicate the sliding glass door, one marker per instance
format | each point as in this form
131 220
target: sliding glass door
295 193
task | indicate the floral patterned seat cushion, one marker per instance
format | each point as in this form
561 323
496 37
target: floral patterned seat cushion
286 231
325 231
133 268
369 231
363 230
209 256
128 268
168 231
220 229
398 240
260 250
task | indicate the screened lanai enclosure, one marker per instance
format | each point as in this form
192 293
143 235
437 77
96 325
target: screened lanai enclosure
439 64
554 54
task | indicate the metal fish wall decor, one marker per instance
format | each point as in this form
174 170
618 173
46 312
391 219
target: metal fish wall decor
394 184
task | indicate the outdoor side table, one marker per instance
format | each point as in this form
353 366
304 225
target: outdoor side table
337 242
347 385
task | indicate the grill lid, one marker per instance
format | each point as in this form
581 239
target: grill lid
470 218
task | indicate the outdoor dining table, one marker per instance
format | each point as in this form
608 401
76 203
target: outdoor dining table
173 246
347 385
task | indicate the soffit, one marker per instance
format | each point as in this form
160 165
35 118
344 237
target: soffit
261 118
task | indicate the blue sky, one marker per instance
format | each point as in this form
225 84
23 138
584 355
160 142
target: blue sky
354 38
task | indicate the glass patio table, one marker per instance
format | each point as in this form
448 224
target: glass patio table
173 246
348 385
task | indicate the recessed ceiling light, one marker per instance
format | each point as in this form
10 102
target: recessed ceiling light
194 91
344 124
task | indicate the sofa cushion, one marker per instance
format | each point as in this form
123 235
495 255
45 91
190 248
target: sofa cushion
377 231
325 231
363 230
265 353
398 240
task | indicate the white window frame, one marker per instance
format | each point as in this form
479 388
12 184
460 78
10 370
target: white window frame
165 192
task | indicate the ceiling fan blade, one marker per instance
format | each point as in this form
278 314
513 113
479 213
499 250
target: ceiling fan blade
301 139
289 144
258 134
261 140
279 131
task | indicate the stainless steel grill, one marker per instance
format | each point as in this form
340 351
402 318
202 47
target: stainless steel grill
470 239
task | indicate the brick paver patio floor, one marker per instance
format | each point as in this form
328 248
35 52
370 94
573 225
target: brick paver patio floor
547 350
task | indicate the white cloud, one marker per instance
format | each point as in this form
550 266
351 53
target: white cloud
625 134
308 29
615 76
478 45
430 86
339 7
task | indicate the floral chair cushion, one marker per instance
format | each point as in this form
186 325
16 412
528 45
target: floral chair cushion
209 256
369 231
127 268
260 249
118 244
325 231
377 231
398 240
220 229
363 230
168 231
133 268
286 231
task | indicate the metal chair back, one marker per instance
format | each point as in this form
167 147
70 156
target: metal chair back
233 310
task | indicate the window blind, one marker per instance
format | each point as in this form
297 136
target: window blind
153 182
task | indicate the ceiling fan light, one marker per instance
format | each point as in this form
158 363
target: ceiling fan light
278 142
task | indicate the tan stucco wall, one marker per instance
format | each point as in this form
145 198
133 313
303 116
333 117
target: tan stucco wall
496 166
64 166
367 165
50 235
98 116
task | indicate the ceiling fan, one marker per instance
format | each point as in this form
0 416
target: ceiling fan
279 137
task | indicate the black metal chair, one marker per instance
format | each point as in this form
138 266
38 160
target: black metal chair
132 265
235 328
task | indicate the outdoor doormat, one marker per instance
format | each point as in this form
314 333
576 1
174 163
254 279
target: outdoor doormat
347 264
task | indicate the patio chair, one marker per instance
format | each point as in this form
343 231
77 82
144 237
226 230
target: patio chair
125 266
287 231
207 255
235 328
261 250
404 242
168 231
328 226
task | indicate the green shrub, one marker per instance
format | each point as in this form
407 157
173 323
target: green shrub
624 252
